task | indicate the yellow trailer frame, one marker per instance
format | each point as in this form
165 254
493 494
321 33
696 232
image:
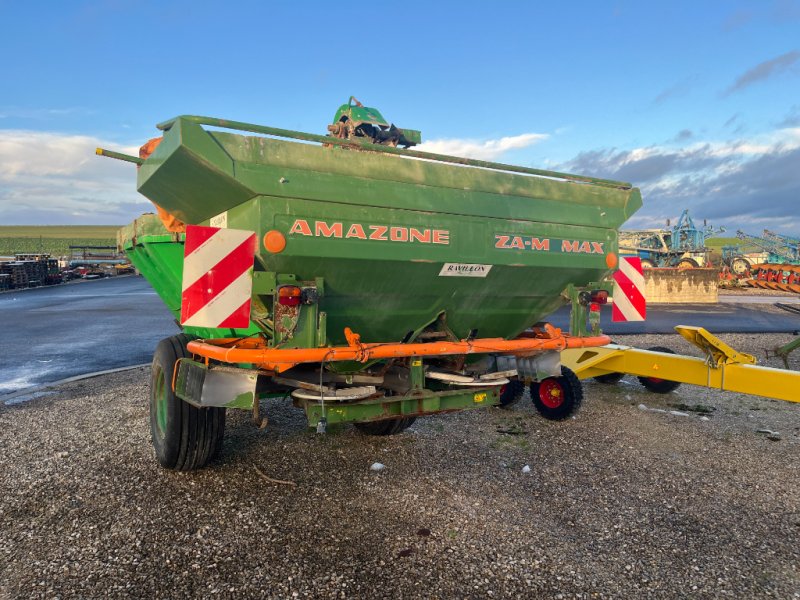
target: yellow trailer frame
722 368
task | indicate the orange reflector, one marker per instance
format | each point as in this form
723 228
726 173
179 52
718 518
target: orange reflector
611 260
289 295
274 241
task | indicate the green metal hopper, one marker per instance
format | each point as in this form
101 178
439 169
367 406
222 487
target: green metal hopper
536 234
399 246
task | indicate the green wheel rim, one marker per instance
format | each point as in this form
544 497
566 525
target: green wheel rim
160 401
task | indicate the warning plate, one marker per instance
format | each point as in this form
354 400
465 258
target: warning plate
217 277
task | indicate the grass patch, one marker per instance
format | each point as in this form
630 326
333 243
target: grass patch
716 243
59 231
53 239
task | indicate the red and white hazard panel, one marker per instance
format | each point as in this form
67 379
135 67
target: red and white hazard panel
217 277
629 300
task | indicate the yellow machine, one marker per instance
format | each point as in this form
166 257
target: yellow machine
722 368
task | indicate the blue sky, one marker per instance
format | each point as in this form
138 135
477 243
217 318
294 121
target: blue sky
696 102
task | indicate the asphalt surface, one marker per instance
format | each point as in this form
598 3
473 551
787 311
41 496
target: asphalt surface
58 332
63 331
726 317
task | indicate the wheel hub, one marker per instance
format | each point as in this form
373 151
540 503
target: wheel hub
551 393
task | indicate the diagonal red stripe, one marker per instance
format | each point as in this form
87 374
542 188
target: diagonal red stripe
239 319
635 262
630 291
217 278
196 236
616 314
633 293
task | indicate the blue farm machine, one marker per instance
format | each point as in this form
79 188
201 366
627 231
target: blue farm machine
682 246
768 261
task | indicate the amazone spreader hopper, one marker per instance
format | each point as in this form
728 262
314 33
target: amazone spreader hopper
373 283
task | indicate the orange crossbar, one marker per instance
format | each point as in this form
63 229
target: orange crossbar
254 351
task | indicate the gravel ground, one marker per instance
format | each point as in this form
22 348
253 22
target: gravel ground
753 291
619 502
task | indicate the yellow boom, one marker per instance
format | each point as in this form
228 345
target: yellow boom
722 368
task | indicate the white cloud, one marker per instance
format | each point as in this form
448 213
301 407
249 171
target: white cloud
53 178
765 70
737 183
42 153
482 150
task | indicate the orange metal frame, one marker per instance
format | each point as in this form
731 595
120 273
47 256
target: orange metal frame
255 351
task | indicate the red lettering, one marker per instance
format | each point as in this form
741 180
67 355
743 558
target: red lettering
502 241
323 230
398 234
356 231
378 232
597 247
517 242
567 246
423 236
441 236
300 226
537 244
585 247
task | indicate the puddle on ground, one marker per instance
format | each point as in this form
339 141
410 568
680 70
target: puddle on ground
21 399
15 384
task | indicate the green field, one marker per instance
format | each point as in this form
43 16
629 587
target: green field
53 239
715 245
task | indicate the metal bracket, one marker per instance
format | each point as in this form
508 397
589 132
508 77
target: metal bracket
540 366
717 352
204 386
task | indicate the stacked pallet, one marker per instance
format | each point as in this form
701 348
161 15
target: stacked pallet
29 270
17 273
36 271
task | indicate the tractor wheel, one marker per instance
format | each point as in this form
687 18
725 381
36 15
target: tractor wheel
609 378
656 384
184 437
511 393
387 427
687 263
648 264
557 398
740 266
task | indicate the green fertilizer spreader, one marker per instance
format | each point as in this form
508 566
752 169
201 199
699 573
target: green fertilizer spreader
370 282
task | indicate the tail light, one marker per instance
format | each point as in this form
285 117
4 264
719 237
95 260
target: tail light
599 297
289 295
594 307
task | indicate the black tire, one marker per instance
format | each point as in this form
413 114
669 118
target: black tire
387 427
184 437
609 378
654 384
558 398
688 263
511 393
648 264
